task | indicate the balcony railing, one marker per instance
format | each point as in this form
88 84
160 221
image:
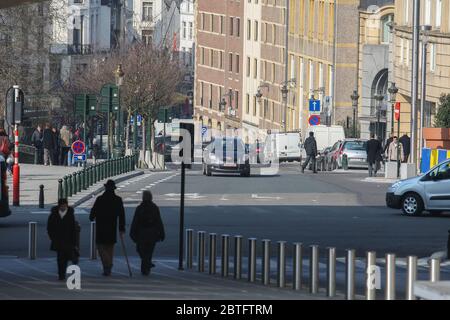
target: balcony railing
71 49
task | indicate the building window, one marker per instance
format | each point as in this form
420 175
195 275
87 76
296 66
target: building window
203 21
230 62
273 72
401 50
438 13
236 96
222 21
202 91
249 29
221 60
255 68
238 27
248 66
147 37
266 108
184 29
203 56
428 12
238 61
191 30
385 30
256 31
254 106
147 11
247 104
432 57
406 13
210 95
212 23
231 25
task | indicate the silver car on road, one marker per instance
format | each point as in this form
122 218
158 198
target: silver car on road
355 149
429 191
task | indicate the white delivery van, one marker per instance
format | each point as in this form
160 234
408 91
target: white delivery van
286 146
326 136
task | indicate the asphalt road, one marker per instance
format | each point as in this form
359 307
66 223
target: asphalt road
328 209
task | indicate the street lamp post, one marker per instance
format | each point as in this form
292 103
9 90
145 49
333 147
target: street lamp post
423 95
354 97
119 74
379 98
284 95
392 96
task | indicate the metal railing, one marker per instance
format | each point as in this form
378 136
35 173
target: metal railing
293 277
76 182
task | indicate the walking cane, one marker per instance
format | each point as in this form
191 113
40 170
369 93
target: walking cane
125 254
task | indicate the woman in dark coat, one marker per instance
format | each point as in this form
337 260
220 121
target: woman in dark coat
147 229
62 230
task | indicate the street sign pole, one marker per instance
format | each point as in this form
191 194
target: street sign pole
164 141
181 232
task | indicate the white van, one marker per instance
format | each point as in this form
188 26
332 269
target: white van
286 146
326 136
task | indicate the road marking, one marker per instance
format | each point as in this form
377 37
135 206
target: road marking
189 196
255 196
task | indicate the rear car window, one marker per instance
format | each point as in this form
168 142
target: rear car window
355 145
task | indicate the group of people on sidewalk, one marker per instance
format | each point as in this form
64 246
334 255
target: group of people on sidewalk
109 214
53 145
395 150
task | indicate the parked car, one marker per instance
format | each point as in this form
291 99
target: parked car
255 151
284 146
331 156
355 150
226 155
429 191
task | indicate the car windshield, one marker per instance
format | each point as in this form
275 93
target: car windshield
355 145
228 145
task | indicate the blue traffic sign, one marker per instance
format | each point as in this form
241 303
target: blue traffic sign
79 158
139 119
204 130
314 105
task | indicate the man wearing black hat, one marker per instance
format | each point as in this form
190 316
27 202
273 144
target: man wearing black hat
107 209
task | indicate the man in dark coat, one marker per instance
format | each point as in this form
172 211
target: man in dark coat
147 229
311 152
36 141
62 230
406 143
107 209
48 142
374 149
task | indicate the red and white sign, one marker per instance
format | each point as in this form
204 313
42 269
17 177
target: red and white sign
78 147
397 111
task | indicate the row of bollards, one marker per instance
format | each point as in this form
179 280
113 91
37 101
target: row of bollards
373 277
81 180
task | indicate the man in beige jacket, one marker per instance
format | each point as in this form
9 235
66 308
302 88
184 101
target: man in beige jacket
392 151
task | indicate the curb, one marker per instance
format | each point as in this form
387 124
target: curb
99 187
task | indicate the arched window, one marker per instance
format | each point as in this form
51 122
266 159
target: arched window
385 30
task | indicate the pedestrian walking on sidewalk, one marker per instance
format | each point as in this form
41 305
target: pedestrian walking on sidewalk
392 153
107 211
311 152
56 146
146 230
405 141
48 143
63 232
374 150
36 141
66 142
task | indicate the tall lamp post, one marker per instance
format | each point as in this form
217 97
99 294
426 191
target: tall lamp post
119 74
354 97
425 30
392 96
284 94
379 98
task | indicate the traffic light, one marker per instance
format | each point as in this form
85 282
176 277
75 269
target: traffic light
85 104
109 98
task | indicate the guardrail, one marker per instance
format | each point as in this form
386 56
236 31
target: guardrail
76 182
294 280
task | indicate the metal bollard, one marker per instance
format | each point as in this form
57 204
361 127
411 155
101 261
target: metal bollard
32 240
201 251
331 272
252 259
225 255
237 257
435 270
281 265
350 275
80 182
84 179
65 188
266 262
212 253
41 196
314 269
371 260
93 248
70 185
411 277
189 248
298 266
390 277
60 189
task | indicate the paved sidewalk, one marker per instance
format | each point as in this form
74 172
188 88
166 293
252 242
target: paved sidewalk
27 279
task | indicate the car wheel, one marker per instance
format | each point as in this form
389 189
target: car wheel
412 204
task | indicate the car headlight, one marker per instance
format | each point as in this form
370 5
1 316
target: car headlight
396 185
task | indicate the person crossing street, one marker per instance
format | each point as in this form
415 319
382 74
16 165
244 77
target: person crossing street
311 152
374 150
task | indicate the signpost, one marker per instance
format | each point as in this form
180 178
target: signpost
397 117
204 130
14 111
314 120
79 151
314 106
